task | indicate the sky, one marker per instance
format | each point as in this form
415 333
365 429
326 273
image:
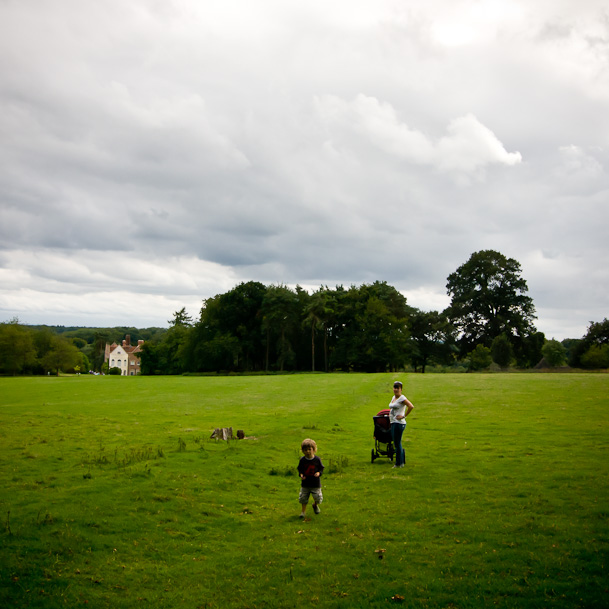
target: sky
154 153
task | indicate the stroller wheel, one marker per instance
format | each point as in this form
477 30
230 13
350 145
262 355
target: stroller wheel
373 456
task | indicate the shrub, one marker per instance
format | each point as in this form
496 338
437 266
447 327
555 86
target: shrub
502 351
554 353
480 358
596 357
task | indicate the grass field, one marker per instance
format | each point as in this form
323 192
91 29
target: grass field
113 495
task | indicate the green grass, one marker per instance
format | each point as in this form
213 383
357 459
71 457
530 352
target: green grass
113 495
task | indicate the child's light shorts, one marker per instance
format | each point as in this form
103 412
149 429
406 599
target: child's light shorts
305 491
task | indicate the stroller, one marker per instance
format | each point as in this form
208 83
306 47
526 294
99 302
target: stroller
383 444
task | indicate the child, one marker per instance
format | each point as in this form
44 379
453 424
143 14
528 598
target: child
310 469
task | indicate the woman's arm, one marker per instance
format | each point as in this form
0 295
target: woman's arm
409 407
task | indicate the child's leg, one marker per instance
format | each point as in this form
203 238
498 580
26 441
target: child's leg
303 499
317 499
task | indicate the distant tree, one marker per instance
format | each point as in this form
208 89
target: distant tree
44 340
597 335
79 343
150 363
431 337
181 319
596 357
239 315
571 346
489 298
101 338
173 350
279 315
228 335
62 356
167 353
527 349
17 351
480 358
317 314
220 352
554 353
84 362
501 351
369 328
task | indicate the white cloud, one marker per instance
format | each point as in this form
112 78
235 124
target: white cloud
467 147
576 162
168 150
470 145
475 22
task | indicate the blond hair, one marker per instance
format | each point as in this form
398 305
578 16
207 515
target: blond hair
308 443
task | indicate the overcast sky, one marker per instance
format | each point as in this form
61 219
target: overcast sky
154 153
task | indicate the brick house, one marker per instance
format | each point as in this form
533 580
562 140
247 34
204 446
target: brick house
125 356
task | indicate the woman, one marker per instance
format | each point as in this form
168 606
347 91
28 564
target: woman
399 408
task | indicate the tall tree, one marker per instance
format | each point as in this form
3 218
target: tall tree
587 353
228 335
279 316
431 337
369 328
17 352
502 351
181 319
62 356
527 349
317 313
598 332
489 298
238 315
101 337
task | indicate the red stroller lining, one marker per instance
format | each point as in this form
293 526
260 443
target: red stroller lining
383 444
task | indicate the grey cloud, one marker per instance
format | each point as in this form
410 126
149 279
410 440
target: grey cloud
171 151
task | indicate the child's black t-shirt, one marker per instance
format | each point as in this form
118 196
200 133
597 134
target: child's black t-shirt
309 467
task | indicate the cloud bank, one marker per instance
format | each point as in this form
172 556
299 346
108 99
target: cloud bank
156 154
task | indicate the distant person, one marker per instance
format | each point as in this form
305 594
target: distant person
399 408
310 469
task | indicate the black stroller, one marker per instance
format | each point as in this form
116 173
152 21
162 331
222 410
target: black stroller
383 444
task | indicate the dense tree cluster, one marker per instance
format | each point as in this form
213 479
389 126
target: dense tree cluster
592 351
51 349
369 328
254 327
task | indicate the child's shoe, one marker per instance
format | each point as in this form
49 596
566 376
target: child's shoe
316 508
301 515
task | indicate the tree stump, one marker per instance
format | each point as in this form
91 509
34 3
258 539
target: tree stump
222 433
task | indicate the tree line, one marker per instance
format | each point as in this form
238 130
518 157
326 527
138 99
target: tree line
368 328
54 349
